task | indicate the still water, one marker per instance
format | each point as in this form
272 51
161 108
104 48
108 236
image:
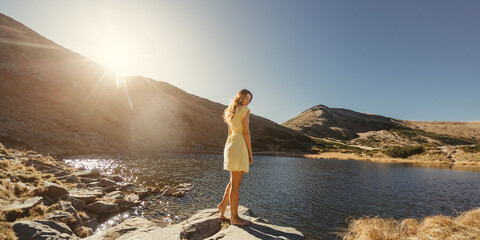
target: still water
313 195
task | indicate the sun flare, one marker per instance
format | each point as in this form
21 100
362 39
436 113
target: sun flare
117 56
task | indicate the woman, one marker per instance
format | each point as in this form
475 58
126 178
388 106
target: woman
237 153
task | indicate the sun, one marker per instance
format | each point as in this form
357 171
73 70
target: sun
117 56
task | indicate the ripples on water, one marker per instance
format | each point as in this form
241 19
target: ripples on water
312 195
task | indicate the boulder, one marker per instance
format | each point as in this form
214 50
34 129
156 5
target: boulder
91 223
106 182
76 220
102 207
54 191
69 178
40 229
168 191
76 203
128 229
204 224
115 178
22 206
115 195
87 194
94 173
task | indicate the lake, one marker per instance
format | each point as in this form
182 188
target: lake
316 196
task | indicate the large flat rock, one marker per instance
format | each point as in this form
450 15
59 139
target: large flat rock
204 224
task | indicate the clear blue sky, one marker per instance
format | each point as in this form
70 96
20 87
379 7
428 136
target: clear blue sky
413 60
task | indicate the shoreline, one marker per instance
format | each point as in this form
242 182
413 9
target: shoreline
458 165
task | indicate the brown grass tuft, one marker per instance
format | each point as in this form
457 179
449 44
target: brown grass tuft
465 226
6 231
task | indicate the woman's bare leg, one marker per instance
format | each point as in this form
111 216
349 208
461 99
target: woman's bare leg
236 180
226 198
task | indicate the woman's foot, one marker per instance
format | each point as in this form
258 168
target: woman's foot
239 221
222 209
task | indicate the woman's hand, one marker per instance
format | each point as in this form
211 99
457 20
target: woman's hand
251 158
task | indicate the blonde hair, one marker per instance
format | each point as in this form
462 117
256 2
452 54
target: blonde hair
234 104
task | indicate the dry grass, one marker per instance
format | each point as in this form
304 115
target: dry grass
465 226
6 231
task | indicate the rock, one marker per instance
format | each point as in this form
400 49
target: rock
204 224
168 191
110 189
70 179
91 223
94 173
124 204
87 180
76 220
115 178
102 207
54 191
127 187
132 197
93 184
128 229
76 203
106 182
185 187
178 194
142 192
22 206
59 216
115 195
40 229
40 165
86 194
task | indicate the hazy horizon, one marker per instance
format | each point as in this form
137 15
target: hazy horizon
407 60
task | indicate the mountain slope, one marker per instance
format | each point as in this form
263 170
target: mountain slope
379 131
58 101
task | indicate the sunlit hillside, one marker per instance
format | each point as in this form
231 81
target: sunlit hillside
55 100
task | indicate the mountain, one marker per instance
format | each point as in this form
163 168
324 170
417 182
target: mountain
57 101
379 131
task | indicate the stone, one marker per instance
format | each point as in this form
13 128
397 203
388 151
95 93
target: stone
87 194
168 191
124 204
110 189
115 195
76 203
40 229
106 182
178 194
22 206
69 178
76 220
54 190
128 229
142 192
87 180
115 178
102 207
127 187
132 197
94 173
204 224
91 223
59 216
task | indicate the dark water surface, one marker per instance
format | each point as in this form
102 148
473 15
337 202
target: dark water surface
315 196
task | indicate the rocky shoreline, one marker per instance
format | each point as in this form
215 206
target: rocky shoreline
43 198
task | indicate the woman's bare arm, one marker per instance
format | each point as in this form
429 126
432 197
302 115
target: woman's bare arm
246 135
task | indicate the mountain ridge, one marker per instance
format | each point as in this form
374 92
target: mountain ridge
57 101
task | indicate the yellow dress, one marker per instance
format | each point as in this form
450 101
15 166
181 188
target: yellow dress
236 153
